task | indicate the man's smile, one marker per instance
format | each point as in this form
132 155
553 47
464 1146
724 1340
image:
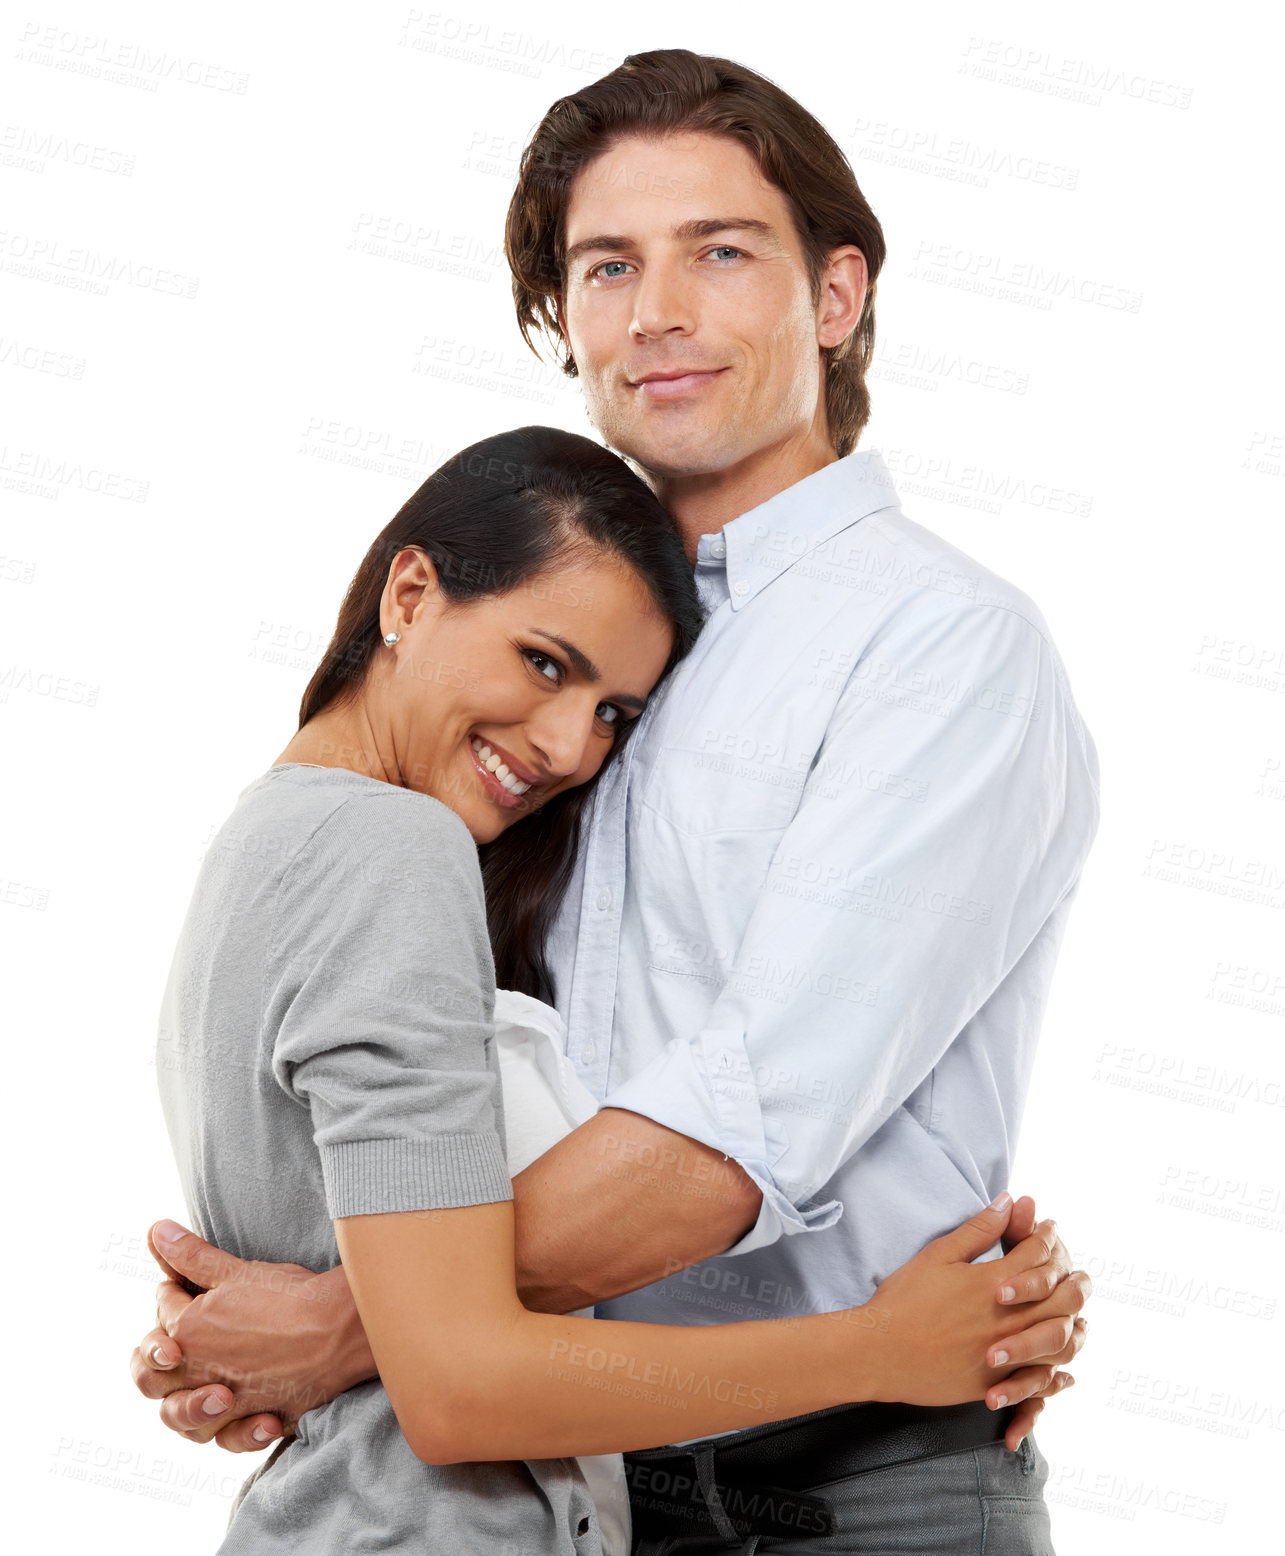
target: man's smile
670 383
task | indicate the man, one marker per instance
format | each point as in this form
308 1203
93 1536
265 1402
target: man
815 914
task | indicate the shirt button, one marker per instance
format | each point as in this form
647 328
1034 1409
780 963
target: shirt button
741 587
588 1054
719 548
603 900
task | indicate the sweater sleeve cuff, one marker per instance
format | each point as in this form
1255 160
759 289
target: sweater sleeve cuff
373 1177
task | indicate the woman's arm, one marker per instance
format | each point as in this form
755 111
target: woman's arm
266 1342
472 1374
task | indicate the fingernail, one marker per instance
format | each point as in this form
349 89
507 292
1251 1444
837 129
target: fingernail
1006 1293
213 1405
160 1357
262 1435
1000 1358
168 1231
1001 1402
1001 1201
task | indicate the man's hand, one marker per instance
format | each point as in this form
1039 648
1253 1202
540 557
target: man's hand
262 1343
1029 1287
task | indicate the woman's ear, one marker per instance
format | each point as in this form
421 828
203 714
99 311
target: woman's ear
412 581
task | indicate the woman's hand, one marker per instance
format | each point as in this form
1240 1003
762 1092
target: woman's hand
999 1330
261 1344
1047 1380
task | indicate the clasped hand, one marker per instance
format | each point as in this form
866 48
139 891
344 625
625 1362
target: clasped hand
262 1343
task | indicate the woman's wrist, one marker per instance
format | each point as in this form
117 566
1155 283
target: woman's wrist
855 1347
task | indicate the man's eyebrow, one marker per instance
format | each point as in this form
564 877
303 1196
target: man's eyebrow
711 226
704 227
586 666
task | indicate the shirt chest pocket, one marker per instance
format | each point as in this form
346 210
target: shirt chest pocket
728 783
694 899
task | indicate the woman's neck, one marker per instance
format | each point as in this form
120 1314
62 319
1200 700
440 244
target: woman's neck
342 738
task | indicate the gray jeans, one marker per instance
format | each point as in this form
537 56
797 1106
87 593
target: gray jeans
979 1502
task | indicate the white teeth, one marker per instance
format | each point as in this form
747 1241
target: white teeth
497 768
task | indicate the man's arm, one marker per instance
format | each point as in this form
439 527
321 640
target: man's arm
620 1202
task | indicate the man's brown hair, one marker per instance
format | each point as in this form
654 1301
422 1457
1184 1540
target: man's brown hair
673 91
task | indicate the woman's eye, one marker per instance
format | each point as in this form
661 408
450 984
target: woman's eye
533 654
552 670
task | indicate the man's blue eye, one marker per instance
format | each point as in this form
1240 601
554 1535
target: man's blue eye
608 264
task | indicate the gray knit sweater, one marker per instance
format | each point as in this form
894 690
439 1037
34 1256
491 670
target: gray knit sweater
326 1050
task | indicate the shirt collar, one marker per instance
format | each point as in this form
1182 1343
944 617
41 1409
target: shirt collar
768 540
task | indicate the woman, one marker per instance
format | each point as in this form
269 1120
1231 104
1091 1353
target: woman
327 1058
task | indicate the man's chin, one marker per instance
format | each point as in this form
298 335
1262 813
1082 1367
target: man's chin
674 452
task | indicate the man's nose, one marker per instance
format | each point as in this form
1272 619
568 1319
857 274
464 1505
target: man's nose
663 301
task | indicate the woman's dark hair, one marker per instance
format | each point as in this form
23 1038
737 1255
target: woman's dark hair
671 92
505 509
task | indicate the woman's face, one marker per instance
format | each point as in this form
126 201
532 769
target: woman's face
493 706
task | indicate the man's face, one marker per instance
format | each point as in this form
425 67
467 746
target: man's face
683 261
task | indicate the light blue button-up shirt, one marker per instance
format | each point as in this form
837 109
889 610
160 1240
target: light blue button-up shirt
819 899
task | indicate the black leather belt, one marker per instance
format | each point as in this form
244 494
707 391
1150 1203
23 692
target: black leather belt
759 1477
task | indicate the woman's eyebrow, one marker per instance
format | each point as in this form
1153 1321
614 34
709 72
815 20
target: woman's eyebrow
702 227
586 666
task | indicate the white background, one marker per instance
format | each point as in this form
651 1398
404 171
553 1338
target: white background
217 391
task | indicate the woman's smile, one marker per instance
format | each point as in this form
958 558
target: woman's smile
501 784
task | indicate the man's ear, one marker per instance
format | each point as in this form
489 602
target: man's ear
844 282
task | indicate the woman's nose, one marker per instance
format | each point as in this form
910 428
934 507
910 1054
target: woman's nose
560 733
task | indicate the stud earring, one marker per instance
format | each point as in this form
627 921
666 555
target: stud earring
392 637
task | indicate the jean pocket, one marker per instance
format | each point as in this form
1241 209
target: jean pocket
1005 1476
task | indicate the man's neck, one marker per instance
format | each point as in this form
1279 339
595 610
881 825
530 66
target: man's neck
703 502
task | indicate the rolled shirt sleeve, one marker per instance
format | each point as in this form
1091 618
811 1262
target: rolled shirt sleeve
890 912
379 995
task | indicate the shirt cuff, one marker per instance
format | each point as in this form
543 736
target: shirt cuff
703 1087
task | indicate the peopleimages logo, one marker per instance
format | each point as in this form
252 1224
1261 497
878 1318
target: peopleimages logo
955 157
1065 76
997 275
128 64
